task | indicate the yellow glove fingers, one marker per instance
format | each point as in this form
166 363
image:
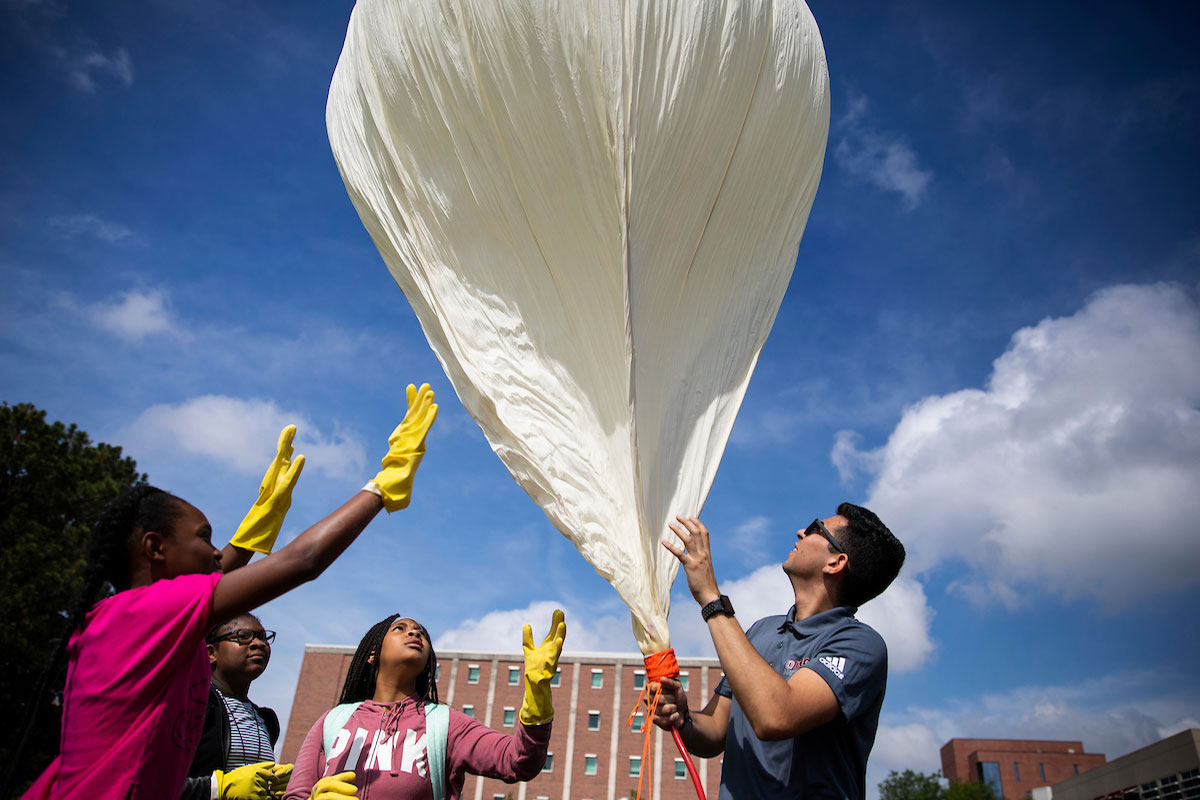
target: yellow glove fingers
540 665
335 787
527 638
283 455
557 622
250 782
293 475
406 446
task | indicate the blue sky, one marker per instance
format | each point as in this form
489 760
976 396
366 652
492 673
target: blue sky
991 337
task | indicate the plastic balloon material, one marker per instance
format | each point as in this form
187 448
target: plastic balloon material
594 210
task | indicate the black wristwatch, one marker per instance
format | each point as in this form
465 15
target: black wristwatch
719 606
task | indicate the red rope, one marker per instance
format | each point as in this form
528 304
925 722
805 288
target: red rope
658 666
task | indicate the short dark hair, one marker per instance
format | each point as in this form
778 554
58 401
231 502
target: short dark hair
362 672
875 555
227 626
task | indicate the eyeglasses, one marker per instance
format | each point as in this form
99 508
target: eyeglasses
819 527
244 636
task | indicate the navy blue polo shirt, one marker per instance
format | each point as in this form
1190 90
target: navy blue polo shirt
829 761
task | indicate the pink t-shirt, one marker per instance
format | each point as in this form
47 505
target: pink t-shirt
137 689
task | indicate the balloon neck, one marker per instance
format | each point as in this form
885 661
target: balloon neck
661 665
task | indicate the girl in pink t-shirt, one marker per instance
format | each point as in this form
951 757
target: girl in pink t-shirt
138 671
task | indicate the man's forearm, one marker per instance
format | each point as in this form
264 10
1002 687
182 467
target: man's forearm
701 736
758 688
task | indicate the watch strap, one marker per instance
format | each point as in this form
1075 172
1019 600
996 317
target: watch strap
721 605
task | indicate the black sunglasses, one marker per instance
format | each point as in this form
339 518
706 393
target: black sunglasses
816 526
244 636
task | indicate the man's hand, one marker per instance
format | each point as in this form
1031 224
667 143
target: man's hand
695 558
672 710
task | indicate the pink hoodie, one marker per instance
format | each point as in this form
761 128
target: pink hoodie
384 744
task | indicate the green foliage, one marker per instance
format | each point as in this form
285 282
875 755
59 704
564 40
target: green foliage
971 790
53 485
909 785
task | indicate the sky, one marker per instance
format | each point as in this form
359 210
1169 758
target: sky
991 338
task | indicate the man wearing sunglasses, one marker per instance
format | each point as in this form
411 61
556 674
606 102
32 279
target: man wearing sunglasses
237 733
798 708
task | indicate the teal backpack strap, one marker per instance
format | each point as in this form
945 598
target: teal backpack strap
437 731
337 717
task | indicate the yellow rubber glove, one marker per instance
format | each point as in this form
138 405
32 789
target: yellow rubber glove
260 527
406 446
334 787
279 782
541 662
251 782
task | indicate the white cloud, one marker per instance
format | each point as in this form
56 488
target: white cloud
241 434
135 315
90 225
500 631
877 157
85 65
1075 469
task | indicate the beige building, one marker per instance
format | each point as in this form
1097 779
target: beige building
594 753
1166 770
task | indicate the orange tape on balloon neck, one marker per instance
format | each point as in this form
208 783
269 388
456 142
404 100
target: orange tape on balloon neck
659 666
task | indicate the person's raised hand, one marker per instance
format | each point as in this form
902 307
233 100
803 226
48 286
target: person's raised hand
695 558
334 787
541 663
262 524
406 447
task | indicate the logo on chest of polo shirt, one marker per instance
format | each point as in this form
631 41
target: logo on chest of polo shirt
836 664
792 665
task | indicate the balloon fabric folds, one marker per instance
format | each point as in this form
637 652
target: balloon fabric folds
594 209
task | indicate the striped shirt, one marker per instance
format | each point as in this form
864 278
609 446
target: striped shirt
249 741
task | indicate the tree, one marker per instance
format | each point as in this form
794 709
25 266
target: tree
53 485
971 790
909 785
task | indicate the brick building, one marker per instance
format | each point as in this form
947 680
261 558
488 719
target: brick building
594 755
1014 767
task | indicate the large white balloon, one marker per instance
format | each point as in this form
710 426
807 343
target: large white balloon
594 209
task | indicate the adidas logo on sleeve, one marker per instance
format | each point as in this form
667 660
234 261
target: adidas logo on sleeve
836 665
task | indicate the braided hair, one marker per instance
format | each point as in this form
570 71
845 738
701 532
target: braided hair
140 509
360 677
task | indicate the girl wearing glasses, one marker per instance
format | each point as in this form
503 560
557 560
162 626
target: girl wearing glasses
138 671
236 732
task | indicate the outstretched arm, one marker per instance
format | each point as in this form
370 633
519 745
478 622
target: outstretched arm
776 709
311 552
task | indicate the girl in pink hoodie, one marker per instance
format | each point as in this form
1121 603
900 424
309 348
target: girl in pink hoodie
380 750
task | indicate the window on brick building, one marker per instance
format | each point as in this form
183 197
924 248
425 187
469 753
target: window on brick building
989 773
680 769
472 673
1042 772
589 764
593 720
1076 767
510 716
549 765
683 680
597 679
556 681
638 718
437 672
1016 771
469 710
635 766
639 679
514 676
